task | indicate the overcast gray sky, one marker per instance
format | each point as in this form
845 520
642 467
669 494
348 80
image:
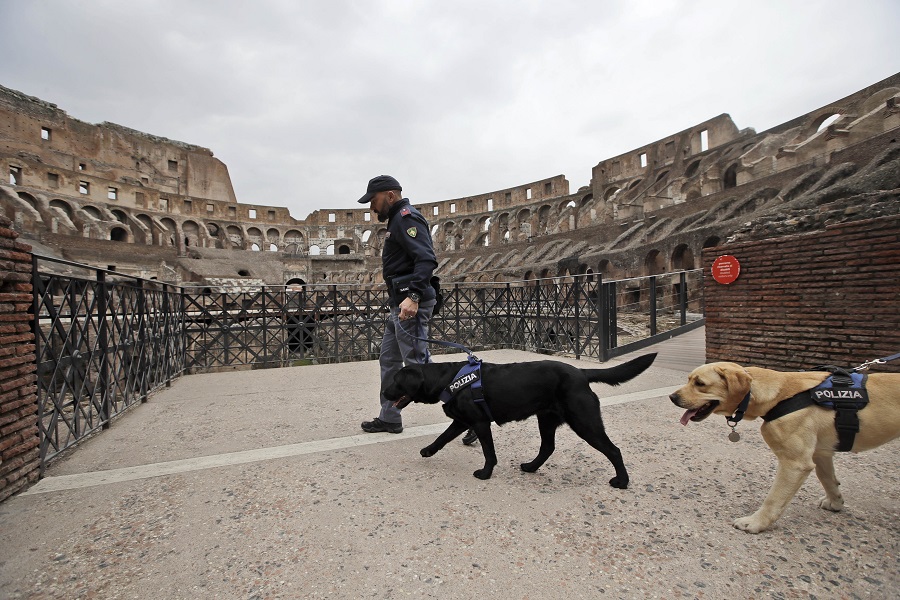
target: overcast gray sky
306 100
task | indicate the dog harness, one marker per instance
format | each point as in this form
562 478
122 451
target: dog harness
844 393
469 376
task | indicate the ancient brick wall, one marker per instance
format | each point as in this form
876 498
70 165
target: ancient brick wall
824 297
19 442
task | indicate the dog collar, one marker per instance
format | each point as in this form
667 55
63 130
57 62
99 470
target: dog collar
734 419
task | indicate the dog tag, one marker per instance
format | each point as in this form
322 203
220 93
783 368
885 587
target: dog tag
734 436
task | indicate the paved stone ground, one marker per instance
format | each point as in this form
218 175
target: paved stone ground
259 484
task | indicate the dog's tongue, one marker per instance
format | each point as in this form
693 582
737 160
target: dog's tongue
686 417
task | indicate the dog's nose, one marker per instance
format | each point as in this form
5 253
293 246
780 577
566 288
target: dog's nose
674 397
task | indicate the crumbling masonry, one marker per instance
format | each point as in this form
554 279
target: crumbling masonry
110 196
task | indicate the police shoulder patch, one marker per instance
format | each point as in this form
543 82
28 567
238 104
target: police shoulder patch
405 212
412 232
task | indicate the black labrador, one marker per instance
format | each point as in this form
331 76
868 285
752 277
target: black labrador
554 391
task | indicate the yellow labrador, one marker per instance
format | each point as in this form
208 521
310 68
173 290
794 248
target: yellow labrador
801 440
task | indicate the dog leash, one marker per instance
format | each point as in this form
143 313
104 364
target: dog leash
877 361
396 319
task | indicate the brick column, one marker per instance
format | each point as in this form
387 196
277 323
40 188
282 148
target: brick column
19 441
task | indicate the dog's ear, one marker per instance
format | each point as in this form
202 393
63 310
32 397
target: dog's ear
737 379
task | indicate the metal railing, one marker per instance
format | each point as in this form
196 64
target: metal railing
104 341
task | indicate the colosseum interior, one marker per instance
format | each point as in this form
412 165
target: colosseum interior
112 197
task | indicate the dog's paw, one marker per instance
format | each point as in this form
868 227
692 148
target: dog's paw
483 473
749 524
426 451
529 467
619 482
832 504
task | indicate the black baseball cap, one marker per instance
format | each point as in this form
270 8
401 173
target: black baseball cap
382 183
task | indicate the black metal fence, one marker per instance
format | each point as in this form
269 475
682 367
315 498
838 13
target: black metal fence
104 341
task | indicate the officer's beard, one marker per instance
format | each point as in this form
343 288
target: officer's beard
382 217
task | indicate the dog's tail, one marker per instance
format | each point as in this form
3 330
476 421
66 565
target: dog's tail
620 373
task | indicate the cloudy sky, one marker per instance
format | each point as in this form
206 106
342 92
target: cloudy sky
305 100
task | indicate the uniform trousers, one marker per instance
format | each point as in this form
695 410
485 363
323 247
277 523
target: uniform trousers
398 349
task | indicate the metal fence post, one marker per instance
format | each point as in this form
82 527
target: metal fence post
652 305
682 296
577 293
103 348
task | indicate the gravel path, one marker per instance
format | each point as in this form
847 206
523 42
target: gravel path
378 521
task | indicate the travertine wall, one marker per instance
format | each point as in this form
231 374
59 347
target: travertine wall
645 211
19 442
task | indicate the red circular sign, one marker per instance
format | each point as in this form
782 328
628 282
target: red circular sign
726 269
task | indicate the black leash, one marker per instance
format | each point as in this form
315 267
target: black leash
877 361
430 340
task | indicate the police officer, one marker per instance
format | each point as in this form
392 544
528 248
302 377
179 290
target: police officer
407 265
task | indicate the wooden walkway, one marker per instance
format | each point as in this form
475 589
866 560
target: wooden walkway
684 352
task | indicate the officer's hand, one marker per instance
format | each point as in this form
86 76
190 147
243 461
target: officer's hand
408 309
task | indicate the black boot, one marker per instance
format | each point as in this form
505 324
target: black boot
470 438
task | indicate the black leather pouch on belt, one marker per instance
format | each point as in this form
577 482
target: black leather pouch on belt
400 286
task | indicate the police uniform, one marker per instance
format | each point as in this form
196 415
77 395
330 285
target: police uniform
408 250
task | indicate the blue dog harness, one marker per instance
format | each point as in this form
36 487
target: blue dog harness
844 393
469 376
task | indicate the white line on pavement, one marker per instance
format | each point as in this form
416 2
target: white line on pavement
82 480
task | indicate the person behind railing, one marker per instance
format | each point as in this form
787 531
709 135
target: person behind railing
407 265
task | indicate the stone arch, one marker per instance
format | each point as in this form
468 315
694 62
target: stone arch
682 258
729 179
692 169
93 211
611 193
294 242
824 120
877 99
119 234
235 236
120 216
273 236
191 231
607 269
343 249
586 199
314 250
661 176
712 241
523 222
147 235
28 199
169 235
63 206
634 183
654 263
543 218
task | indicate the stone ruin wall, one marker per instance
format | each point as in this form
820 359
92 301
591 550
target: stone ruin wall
111 196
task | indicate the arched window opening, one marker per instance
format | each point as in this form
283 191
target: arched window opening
730 178
827 121
254 246
344 249
118 234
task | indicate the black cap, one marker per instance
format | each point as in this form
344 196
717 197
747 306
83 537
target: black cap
382 183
